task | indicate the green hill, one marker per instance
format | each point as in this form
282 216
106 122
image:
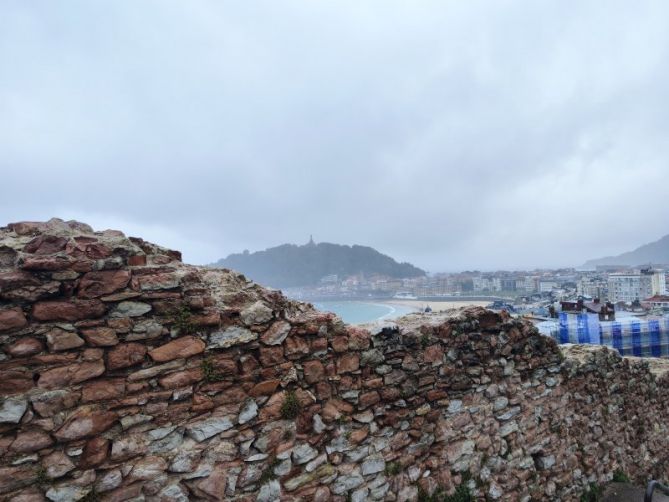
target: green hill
290 265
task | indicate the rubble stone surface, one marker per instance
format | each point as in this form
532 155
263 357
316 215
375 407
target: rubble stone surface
129 375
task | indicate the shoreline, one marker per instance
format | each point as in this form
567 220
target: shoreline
438 306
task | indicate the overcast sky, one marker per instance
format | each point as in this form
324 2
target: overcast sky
455 135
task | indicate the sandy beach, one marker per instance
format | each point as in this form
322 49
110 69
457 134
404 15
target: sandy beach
419 305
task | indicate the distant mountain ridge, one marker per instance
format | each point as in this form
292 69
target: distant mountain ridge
656 253
290 265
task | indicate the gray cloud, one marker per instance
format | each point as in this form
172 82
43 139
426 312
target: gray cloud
450 134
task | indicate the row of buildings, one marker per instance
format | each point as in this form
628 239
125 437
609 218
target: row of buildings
615 285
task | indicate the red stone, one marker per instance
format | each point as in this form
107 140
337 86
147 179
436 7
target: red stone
47 405
138 260
49 263
69 375
95 284
23 347
340 343
11 319
160 281
181 378
319 344
323 390
313 371
183 347
436 394
102 390
58 339
348 363
100 337
126 492
45 244
295 347
27 227
269 356
358 338
95 452
127 354
17 279
89 247
389 393
85 423
120 325
15 381
265 388
12 478
61 310
358 436
213 486
26 442
368 399
433 354
208 319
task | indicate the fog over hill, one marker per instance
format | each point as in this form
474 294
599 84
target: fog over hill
654 253
290 265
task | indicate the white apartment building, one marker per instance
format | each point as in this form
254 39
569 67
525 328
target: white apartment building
547 286
629 287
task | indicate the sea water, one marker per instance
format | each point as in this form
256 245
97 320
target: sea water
354 312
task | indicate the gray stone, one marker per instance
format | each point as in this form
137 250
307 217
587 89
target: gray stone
12 409
258 313
454 406
269 492
67 493
184 461
509 414
168 443
545 462
160 433
379 493
276 334
318 424
208 428
371 357
108 480
316 463
303 453
231 336
360 495
130 309
284 468
500 403
57 465
173 493
131 420
346 483
357 454
455 451
407 493
249 412
373 464
508 428
494 491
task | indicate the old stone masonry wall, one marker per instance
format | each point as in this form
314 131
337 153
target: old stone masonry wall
127 375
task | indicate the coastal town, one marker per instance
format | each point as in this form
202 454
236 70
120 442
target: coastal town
524 292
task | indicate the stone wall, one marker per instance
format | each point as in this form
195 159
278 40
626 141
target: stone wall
127 375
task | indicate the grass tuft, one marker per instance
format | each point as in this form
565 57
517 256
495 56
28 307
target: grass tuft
290 408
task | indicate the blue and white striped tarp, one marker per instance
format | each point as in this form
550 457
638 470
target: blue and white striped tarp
629 336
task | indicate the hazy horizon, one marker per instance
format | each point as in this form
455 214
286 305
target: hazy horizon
450 135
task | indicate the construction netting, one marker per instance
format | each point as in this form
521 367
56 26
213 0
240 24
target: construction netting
630 336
